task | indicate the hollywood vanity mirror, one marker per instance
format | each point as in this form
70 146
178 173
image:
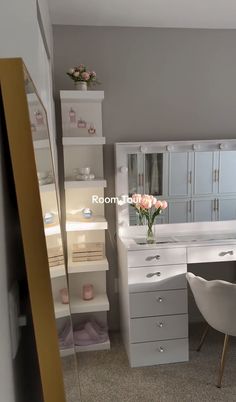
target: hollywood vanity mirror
194 177
37 200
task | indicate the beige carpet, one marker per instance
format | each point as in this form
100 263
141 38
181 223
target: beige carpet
106 376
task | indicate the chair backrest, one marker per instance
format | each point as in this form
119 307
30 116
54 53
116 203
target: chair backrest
216 301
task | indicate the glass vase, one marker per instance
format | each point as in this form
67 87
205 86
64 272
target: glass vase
150 235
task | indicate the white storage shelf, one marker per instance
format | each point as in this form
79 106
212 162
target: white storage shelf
47 188
80 96
87 266
71 141
61 310
52 230
98 303
41 144
57 271
89 348
86 183
96 223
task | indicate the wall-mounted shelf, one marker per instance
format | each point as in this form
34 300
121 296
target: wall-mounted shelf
61 310
86 183
88 348
41 144
52 230
96 346
82 96
87 266
72 141
99 303
57 271
45 188
96 223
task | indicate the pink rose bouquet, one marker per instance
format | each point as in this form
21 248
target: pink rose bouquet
148 207
81 73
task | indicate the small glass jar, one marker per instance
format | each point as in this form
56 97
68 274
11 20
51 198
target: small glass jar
88 291
64 295
72 116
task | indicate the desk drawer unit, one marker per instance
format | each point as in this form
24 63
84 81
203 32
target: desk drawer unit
162 256
157 278
160 352
165 302
158 328
211 253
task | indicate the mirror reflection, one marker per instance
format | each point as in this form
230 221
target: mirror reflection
51 219
197 185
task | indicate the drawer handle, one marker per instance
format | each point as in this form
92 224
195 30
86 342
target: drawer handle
159 299
160 324
153 257
153 274
223 253
161 349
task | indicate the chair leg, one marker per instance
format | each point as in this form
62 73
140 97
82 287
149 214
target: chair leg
222 362
203 337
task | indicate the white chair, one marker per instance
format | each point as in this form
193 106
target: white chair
216 301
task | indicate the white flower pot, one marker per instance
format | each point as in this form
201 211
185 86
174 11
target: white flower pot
81 86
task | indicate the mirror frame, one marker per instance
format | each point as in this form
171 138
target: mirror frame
20 142
122 149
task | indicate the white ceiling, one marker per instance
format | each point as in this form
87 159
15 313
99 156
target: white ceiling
145 13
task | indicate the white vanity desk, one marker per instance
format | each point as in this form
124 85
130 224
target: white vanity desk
153 292
197 178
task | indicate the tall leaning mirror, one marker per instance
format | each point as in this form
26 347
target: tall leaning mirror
39 214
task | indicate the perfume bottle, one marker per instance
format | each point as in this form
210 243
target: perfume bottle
88 293
39 118
72 116
33 127
92 129
64 296
81 123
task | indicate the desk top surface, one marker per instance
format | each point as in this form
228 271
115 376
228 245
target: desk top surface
184 240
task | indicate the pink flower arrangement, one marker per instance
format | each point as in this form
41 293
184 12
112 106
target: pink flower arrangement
81 73
148 207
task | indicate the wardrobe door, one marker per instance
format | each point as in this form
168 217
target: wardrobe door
204 210
205 173
227 169
179 211
180 174
226 209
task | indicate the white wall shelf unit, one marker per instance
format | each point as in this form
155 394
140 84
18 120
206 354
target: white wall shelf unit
47 188
88 348
82 96
41 144
98 303
61 310
52 230
71 141
97 223
87 266
57 271
83 147
91 348
86 183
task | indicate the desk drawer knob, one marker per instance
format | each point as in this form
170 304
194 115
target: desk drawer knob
161 349
153 257
223 253
160 324
160 299
153 274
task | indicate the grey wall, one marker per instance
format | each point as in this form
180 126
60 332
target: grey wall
160 84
